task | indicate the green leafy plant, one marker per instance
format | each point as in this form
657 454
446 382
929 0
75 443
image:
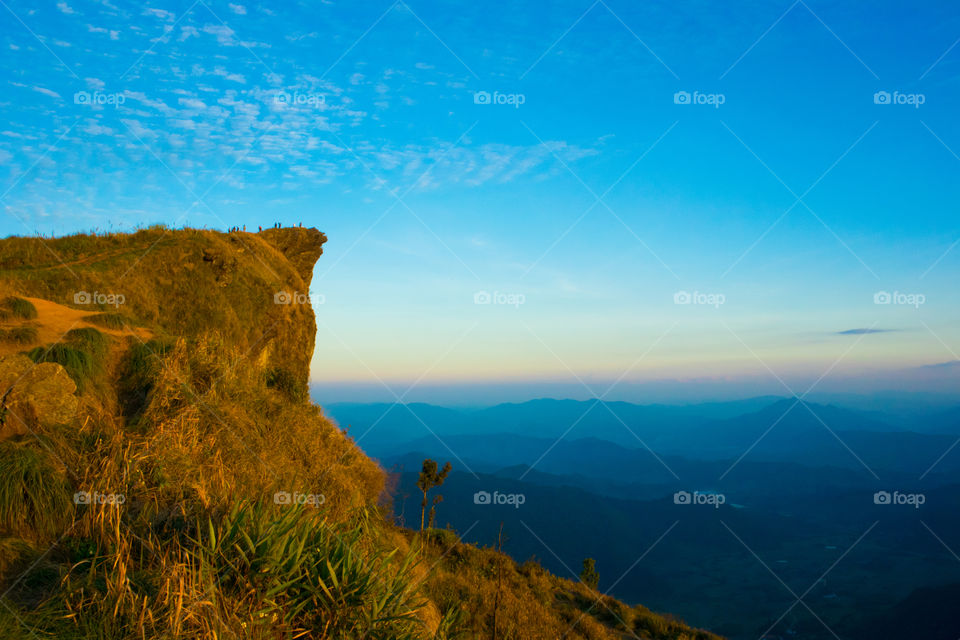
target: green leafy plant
301 575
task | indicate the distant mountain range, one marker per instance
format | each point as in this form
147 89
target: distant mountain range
759 429
798 481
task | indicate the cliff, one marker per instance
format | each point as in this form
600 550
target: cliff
164 475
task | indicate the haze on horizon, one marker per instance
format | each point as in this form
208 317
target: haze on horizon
731 204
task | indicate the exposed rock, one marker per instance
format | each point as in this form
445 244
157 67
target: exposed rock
30 395
224 264
301 246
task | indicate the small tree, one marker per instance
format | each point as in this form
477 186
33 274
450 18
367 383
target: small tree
589 575
430 478
437 499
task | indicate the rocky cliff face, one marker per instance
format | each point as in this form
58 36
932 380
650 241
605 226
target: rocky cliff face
31 395
251 288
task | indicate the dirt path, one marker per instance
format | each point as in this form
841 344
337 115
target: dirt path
54 320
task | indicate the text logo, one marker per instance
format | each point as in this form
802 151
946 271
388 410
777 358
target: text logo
511 99
713 499
99 99
710 299
499 297
912 99
287 297
513 499
84 297
308 499
911 499
898 298
95 497
297 99
712 99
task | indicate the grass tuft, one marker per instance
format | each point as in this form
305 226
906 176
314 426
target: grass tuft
284 381
78 363
139 371
19 335
109 320
89 340
33 496
20 308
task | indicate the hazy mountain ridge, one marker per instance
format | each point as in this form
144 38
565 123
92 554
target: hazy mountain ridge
794 490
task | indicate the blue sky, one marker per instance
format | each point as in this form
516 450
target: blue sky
769 159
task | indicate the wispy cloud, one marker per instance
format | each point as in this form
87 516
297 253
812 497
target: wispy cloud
864 331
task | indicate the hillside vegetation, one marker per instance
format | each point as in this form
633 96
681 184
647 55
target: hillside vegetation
164 475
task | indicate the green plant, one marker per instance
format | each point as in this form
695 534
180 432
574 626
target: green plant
20 308
19 335
78 363
139 371
589 575
89 340
295 574
286 382
34 498
108 320
430 478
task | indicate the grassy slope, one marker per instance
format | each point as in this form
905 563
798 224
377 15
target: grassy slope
193 410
